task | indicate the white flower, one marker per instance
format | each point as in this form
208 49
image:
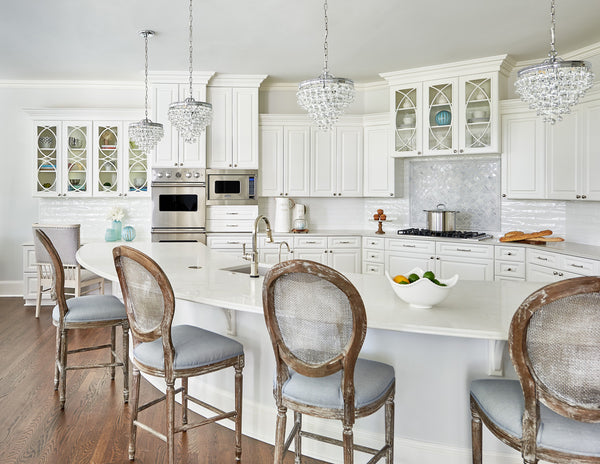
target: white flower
116 214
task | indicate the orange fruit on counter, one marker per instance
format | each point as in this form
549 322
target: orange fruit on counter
376 217
379 211
400 279
383 217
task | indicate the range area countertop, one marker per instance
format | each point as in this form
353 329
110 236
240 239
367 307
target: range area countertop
473 309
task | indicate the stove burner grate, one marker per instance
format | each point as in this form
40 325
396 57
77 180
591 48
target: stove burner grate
445 234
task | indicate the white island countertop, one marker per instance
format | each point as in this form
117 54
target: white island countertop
473 309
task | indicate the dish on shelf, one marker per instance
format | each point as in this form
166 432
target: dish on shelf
476 120
443 118
47 167
406 126
108 147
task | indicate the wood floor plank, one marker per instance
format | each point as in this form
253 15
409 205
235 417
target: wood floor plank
94 426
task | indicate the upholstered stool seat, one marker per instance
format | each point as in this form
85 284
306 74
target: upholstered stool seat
502 402
372 380
92 308
194 347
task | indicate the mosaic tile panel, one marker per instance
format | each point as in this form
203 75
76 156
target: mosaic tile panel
470 185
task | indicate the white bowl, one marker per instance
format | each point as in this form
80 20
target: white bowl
422 293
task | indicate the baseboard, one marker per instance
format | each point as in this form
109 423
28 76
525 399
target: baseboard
11 288
259 423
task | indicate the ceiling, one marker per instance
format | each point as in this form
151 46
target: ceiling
98 40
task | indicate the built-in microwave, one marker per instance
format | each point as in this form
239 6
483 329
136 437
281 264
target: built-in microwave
231 187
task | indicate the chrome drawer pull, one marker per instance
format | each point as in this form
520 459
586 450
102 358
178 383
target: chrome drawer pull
543 259
344 242
232 213
463 249
231 225
311 241
577 265
409 246
233 243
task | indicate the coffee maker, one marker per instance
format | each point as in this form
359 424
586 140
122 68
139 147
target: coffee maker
299 218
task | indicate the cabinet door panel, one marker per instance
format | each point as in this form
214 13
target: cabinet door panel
323 163
271 161
467 269
345 260
441 128
313 255
379 165
47 170
245 128
563 158
76 164
193 155
402 263
591 160
478 113
166 152
108 158
297 161
349 153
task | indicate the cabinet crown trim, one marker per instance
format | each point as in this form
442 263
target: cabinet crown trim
237 80
179 77
69 114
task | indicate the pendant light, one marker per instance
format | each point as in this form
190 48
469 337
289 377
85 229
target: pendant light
555 85
145 133
325 97
190 117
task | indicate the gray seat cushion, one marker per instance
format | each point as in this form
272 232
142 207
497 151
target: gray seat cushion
502 402
371 380
194 347
92 308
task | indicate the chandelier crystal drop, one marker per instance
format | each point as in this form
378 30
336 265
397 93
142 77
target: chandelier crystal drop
325 97
190 117
145 133
555 85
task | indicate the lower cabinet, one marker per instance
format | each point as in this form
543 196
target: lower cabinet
30 278
543 266
341 253
229 243
509 263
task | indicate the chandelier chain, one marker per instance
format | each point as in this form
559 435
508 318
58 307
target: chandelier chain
325 44
191 49
553 52
146 73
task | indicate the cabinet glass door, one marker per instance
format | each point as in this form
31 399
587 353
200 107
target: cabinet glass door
440 118
107 163
407 123
137 170
47 181
77 159
478 111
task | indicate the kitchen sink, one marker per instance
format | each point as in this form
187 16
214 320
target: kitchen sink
245 269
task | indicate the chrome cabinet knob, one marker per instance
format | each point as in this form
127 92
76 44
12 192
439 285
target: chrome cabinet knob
584 196
577 196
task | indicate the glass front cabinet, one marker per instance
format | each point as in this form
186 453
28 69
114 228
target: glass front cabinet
88 158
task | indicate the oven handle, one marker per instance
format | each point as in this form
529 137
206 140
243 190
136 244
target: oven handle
178 184
179 230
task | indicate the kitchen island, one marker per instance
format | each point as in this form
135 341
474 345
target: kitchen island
435 352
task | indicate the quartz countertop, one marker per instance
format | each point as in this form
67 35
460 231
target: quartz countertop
473 309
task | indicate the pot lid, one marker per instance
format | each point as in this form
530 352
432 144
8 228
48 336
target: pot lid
440 208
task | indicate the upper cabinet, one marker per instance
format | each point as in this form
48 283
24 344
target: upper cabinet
382 173
447 110
81 158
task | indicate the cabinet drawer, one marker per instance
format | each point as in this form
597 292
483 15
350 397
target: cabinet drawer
343 242
231 212
373 268
264 244
580 265
374 243
410 246
229 241
509 253
374 256
29 259
229 225
468 250
509 269
542 258
310 242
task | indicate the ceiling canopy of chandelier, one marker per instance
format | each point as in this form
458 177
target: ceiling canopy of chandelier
555 85
145 133
190 117
325 97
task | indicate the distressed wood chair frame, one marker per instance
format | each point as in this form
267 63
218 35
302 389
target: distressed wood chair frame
533 390
72 275
169 373
63 327
345 361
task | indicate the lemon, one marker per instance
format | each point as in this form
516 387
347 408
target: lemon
400 279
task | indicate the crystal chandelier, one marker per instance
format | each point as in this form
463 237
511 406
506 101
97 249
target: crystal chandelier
145 133
190 117
325 97
554 86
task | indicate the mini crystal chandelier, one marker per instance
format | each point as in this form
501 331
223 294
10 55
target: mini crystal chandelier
190 117
145 133
554 86
325 97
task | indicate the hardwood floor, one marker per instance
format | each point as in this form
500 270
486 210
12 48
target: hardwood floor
93 428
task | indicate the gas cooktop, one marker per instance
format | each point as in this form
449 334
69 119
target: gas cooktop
462 234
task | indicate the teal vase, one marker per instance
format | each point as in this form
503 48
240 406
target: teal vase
116 226
128 233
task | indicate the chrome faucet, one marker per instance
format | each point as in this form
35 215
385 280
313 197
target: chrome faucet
281 246
253 255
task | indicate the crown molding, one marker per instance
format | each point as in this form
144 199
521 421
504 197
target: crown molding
584 53
63 84
179 77
85 113
237 80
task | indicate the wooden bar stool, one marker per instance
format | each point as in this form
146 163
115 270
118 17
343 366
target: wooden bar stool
317 323
161 350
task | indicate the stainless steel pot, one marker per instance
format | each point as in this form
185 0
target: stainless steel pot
441 219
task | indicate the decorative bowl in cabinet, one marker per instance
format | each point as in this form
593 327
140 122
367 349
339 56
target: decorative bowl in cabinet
423 293
443 118
128 233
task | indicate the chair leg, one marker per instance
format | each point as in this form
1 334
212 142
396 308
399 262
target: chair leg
63 367
113 333
125 359
171 422
134 412
389 429
57 360
184 400
348 444
476 439
298 437
102 287
238 411
38 300
280 435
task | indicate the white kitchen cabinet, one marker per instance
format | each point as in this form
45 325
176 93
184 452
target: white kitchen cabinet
231 218
337 162
172 150
229 243
232 137
284 158
523 153
544 266
341 253
373 259
401 256
382 172
509 263
30 278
